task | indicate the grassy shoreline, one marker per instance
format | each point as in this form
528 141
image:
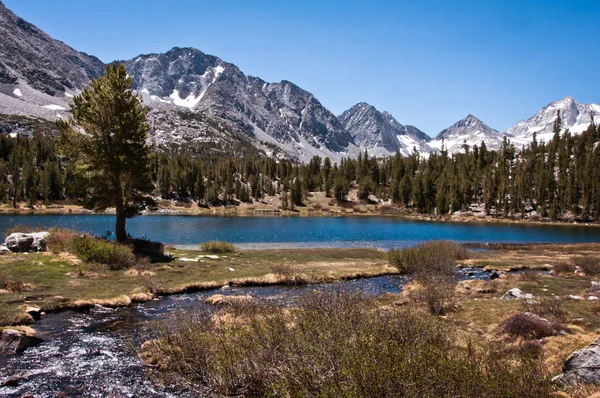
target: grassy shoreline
61 282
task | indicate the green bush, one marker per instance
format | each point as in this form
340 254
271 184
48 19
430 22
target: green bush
340 344
217 247
94 250
564 268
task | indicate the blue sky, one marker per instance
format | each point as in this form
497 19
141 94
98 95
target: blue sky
429 63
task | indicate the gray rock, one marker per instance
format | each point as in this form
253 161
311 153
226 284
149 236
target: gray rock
21 242
516 294
13 341
99 309
494 275
4 249
582 366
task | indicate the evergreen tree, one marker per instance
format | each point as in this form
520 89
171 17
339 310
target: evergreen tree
113 147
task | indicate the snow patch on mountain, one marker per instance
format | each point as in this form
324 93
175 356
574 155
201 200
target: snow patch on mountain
470 131
55 107
574 116
189 102
17 92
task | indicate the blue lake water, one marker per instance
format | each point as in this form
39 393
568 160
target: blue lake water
275 232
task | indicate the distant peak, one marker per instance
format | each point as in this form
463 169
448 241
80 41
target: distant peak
567 100
364 105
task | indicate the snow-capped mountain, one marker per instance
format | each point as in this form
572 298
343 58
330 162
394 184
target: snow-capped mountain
38 74
469 130
380 133
280 115
574 116
206 105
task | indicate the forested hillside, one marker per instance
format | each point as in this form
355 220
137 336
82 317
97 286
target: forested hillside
559 179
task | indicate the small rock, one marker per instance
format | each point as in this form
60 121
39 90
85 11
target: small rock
516 294
593 298
12 381
14 341
231 269
4 249
226 287
219 299
494 275
573 297
34 311
100 309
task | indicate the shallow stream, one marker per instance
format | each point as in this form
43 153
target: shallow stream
93 354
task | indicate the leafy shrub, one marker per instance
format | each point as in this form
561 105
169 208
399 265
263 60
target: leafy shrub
60 239
528 326
217 247
339 344
94 250
564 268
588 264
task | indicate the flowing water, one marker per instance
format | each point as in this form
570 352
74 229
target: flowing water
92 354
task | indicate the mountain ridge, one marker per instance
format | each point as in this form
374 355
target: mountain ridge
202 102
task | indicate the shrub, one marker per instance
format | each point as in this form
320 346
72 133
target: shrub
26 229
564 268
438 290
217 247
288 271
546 306
94 250
588 264
527 325
11 285
60 239
530 275
435 255
338 343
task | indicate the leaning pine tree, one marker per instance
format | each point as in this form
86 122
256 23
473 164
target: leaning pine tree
106 138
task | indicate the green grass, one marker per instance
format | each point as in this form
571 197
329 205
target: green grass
52 275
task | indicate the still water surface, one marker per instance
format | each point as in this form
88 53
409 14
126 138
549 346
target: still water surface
272 232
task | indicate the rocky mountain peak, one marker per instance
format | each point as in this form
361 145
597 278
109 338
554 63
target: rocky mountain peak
379 132
574 116
39 74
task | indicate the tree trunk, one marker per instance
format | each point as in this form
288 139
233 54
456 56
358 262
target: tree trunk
120 232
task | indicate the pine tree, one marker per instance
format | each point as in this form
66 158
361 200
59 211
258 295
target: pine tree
113 147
